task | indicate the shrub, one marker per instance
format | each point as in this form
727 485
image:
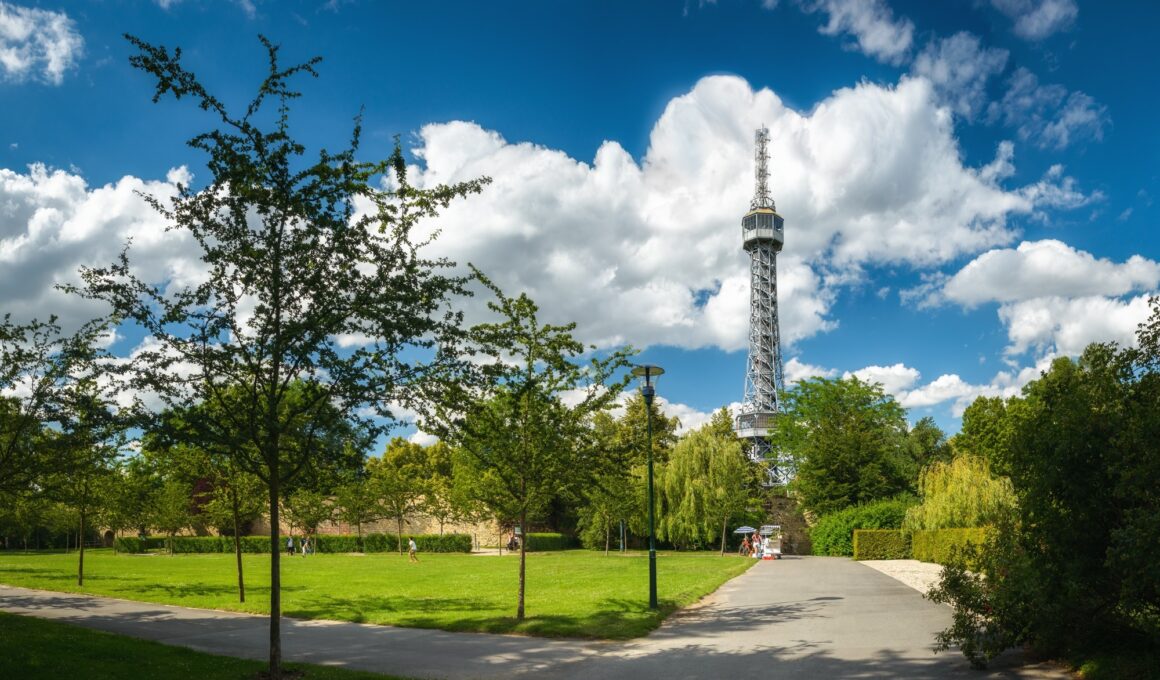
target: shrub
941 545
962 492
136 546
881 544
544 542
335 543
834 533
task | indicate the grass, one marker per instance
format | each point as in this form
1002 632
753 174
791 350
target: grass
569 594
34 649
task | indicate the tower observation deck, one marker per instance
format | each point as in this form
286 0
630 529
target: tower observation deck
762 233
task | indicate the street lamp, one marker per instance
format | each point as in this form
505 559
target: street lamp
650 373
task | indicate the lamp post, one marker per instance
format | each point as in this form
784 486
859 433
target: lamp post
650 373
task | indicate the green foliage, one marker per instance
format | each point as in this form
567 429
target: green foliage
299 255
942 545
134 545
833 534
960 493
543 542
848 441
518 445
322 543
881 544
701 487
1075 574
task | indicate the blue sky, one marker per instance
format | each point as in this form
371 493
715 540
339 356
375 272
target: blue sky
968 187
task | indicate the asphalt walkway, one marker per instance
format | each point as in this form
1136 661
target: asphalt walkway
799 617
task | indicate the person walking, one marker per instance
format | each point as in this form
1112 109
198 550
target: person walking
412 549
305 545
290 545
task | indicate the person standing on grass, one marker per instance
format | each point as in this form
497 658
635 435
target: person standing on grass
411 549
305 545
290 545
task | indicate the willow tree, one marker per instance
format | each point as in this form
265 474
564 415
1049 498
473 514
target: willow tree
703 486
300 256
961 493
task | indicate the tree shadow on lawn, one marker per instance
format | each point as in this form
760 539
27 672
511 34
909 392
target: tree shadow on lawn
621 619
362 609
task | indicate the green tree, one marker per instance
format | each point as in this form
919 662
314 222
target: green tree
518 443
172 510
702 486
440 500
399 481
355 502
301 255
1075 574
847 438
960 493
40 371
926 443
308 509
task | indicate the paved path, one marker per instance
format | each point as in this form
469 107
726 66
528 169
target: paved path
800 617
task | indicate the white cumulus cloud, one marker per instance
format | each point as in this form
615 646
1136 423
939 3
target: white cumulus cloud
1037 269
1065 326
649 252
37 44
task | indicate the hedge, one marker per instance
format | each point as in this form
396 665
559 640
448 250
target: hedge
323 543
545 542
938 545
136 546
834 533
881 544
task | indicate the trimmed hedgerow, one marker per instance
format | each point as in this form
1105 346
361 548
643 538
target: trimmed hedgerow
544 542
834 533
323 543
881 544
135 545
938 545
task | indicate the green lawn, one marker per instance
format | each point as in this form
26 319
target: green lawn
569 594
33 649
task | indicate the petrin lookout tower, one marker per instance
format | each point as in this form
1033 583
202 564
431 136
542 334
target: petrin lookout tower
762 232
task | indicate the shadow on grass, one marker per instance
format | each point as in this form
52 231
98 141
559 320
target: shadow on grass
362 609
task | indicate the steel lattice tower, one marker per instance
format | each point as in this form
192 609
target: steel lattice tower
762 234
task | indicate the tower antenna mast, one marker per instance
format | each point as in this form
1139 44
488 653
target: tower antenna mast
762 234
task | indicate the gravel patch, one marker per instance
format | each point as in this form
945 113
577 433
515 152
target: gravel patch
921 576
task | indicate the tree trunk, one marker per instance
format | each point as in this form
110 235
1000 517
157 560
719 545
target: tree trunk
607 537
238 546
399 536
724 523
81 545
523 561
275 579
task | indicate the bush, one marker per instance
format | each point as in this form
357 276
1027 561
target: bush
834 533
323 543
136 546
941 545
545 542
881 544
333 543
189 545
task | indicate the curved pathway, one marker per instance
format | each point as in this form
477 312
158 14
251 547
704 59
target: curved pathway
799 617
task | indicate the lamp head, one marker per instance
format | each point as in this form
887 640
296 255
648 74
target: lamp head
648 374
